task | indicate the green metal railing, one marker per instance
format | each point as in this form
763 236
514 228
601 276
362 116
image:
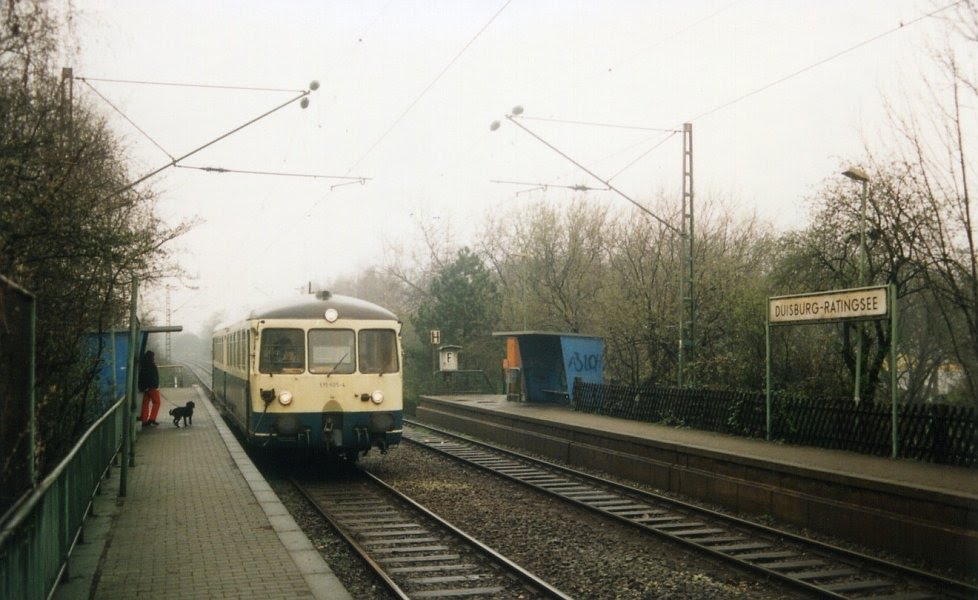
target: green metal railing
38 533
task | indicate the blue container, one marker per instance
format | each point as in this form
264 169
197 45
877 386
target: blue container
108 395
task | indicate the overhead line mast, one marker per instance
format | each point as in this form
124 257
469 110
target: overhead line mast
687 301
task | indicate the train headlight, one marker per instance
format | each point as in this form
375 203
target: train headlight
377 397
331 314
285 398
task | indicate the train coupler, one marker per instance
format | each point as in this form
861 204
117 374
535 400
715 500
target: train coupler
332 437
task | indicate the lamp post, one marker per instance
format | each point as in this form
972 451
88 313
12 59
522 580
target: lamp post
856 174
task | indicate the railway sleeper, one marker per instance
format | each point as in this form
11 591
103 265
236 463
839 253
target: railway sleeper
447 579
722 539
823 574
904 596
679 525
762 556
430 558
786 565
348 511
640 511
730 549
433 568
459 592
695 533
564 488
388 533
855 586
398 541
652 521
410 549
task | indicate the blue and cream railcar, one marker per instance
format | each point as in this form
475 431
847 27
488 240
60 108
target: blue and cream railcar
322 373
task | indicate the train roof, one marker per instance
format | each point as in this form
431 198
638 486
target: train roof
315 306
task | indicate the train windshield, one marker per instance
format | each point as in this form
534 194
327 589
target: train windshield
282 351
331 351
378 351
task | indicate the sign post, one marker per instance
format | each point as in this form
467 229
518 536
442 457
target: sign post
857 304
434 336
893 368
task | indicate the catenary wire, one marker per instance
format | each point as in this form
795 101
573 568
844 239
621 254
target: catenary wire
126 117
191 85
606 125
208 144
351 178
359 38
361 180
637 204
430 85
769 85
676 34
644 154
830 58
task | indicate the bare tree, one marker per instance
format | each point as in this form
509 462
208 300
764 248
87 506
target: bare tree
901 224
66 233
732 282
639 302
939 138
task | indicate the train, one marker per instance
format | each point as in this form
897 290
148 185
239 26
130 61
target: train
324 373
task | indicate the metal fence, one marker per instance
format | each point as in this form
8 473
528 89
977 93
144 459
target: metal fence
39 532
927 432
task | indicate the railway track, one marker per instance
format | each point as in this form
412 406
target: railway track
817 568
200 370
414 552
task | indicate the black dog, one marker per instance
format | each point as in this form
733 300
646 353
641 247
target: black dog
183 412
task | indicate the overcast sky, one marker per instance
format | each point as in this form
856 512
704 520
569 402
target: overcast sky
408 90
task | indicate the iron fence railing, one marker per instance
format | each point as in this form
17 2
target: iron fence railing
38 533
927 432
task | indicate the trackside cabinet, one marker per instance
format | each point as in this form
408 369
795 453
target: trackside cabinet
448 358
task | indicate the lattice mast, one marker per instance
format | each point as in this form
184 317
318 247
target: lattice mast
687 302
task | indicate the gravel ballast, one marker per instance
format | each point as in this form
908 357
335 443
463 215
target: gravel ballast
582 554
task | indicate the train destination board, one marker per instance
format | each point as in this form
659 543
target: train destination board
862 303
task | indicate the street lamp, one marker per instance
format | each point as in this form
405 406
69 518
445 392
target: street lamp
856 174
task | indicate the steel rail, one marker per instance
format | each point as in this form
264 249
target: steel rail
791 558
358 507
351 541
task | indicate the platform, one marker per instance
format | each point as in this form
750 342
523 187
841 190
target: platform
197 521
914 509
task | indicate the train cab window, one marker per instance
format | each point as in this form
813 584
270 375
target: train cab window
331 351
378 351
282 351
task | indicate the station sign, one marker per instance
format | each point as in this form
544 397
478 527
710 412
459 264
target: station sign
840 305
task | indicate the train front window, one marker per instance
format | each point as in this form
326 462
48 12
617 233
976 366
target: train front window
378 351
282 351
331 351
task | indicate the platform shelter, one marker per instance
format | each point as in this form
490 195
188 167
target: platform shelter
542 366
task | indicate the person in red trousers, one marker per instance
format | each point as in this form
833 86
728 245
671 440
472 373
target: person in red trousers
149 384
